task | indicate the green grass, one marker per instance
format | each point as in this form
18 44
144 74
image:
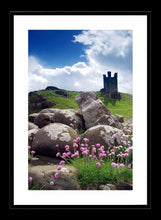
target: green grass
122 107
88 172
58 100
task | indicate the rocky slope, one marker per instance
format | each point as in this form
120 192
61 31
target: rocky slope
49 127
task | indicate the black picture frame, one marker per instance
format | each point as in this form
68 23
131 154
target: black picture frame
25 208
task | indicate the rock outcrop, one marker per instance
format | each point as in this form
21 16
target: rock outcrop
43 177
64 116
37 101
46 139
94 111
102 134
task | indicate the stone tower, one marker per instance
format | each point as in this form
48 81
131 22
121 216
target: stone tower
110 86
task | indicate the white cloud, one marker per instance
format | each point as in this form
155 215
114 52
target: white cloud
76 77
110 51
76 84
104 50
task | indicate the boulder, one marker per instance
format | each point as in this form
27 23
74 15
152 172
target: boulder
32 126
31 134
102 134
124 186
107 187
44 160
119 118
46 139
43 178
68 117
108 120
43 119
65 116
92 108
33 116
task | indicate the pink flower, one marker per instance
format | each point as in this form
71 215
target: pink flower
32 152
86 140
98 145
56 175
129 166
113 164
122 165
64 155
101 149
113 136
71 124
78 139
116 165
59 167
94 157
98 164
124 142
85 152
75 145
83 149
75 154
30 178
67 147
94 149
58 154
62 162
29 147
130 120
57 145
102 155
68 153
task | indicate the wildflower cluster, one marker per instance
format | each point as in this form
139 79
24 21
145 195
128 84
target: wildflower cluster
118 156
122 155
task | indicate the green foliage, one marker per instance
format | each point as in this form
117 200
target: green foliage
122 107
88 172
31 186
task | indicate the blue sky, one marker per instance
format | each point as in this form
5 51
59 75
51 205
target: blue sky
77 59
55 48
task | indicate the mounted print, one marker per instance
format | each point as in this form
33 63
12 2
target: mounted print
80 109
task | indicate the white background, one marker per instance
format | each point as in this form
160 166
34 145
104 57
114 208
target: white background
23 196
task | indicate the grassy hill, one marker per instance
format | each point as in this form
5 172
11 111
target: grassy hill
41 99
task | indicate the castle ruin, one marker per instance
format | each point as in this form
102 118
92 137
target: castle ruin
110 86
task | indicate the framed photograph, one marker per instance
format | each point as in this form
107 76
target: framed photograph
81 98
